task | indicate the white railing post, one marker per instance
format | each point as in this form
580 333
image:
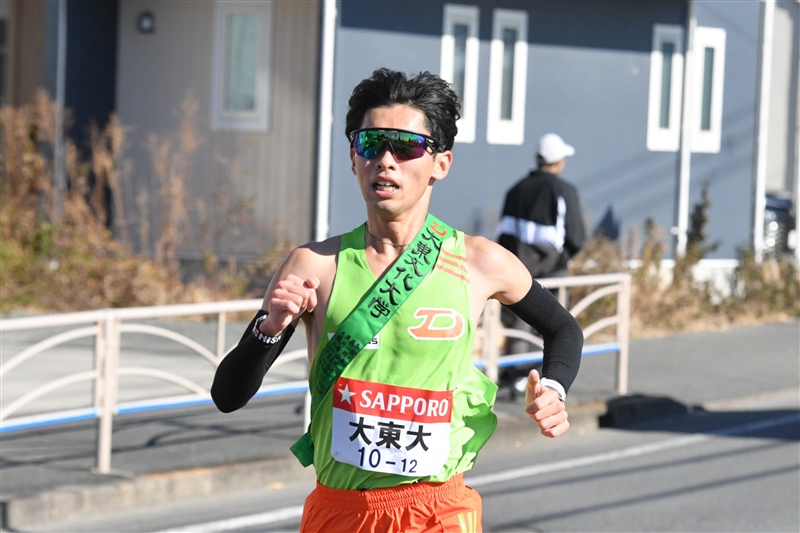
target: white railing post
490 352
562 296
623 333
222 321
100 364
107 362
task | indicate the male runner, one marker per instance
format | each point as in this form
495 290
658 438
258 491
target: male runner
399 412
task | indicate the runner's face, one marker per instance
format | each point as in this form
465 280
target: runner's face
392 186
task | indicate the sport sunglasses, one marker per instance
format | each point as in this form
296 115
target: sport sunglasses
405 145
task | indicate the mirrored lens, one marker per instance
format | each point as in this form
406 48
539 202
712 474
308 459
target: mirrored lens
404 145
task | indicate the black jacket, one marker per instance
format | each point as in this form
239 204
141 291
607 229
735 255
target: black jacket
542 223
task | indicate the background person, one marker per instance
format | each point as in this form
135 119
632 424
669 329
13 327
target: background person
543 226
399 411
542 222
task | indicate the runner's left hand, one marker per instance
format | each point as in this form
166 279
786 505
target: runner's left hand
545 408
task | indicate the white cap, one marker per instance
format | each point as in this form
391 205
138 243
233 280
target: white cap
553 149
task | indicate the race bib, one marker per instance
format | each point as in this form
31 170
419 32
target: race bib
391 429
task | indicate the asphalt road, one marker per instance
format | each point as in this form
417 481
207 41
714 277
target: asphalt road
734 468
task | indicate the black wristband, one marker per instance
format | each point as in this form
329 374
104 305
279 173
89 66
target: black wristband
240 374
563 337
266 339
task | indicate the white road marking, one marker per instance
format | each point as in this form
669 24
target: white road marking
633 451
288 513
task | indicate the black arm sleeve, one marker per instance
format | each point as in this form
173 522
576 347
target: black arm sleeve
239 375
563 337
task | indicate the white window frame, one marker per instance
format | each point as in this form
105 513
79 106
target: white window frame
469 16
708 141
258 119
511 131
665 139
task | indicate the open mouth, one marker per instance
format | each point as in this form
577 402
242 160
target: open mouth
384 186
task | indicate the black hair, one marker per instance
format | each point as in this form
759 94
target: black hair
541 161
429 93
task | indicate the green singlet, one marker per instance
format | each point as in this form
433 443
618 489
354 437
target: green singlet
411 405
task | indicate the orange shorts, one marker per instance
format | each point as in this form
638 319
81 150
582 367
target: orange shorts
417 508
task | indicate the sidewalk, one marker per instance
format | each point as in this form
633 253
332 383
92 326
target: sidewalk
164 456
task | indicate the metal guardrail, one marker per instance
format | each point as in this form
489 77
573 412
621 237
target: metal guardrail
492 330
107 325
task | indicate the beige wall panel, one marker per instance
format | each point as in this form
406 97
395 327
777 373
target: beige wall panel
278 168
157 71
290 167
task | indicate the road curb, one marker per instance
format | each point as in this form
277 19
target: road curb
70 502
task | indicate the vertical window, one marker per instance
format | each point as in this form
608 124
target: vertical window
509 42
460 34
242 49
707 93
667 53
666 79
459 62
708 68
241 56
508 77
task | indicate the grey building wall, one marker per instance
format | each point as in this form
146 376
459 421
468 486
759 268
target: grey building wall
591 85
588 80
399 35
586 83
730 172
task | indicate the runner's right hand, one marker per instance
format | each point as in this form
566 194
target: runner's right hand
291 297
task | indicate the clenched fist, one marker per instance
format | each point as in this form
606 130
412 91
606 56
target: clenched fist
291 297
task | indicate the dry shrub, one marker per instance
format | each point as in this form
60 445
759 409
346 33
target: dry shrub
599 256
70 260
765 291
768 290
172 165
67 259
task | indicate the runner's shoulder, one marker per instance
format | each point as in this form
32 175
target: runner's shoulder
325 248
485 254
313 256
494 272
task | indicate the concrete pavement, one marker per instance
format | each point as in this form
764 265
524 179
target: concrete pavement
165 456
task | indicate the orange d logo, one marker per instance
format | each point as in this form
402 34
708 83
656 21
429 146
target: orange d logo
437 324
